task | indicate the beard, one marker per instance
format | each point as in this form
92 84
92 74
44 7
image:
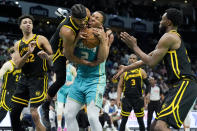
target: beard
162 29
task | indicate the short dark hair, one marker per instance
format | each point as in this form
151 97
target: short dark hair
104 16
25 16
175 16
78 11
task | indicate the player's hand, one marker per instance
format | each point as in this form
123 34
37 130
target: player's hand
82 34
43 55
121 69
31 46
100 33
68 83
118 103
128 39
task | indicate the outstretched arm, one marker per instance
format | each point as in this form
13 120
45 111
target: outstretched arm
161 49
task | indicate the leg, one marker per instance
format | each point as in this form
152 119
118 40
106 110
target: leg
36 119
141 123
150 115
93 116
71 110
15 117
123 123
60 107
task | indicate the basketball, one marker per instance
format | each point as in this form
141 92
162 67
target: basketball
91 41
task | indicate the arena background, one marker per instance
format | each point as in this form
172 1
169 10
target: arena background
138 17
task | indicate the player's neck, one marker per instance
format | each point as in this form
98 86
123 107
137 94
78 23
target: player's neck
27 36
171 28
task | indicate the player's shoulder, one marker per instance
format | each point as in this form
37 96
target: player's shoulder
68 32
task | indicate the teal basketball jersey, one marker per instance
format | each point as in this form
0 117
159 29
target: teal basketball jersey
89 54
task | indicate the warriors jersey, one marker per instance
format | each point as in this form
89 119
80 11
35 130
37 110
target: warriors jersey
177 63
57 42
10 79
89 54
34 64
133 83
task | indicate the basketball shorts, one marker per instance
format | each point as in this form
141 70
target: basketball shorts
31 89
86 89
178 102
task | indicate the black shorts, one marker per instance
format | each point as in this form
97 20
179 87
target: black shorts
31 89
178 102
132 103
60 64
5 101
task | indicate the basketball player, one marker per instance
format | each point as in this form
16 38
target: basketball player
131 84
89 85
32 85
70 26
10 78
171 49
63 93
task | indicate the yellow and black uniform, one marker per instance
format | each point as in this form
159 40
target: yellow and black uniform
182 93
32 86
59 60
10 79
133 99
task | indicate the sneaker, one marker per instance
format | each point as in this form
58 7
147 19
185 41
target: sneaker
59 129
44 116
65 129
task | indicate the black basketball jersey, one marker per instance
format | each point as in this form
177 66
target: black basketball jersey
133 83
10 79
177 63
34 64
57 42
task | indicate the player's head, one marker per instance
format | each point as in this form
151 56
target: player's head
26 23
97 19
152 80
132 59
171 18
79 15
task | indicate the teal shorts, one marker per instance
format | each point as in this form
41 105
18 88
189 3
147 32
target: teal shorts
86 89
62 94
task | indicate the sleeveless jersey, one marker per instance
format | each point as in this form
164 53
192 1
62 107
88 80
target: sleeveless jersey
57 42
69 75
34 64
133 83
177 63
89 54
10 79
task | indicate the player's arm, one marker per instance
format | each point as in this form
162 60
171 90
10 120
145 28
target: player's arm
164 44
47 52
20 61
7 66
145 80
69 44
119 90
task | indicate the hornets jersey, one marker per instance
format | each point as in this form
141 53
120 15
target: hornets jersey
57 42
133 83
89 54
177 63
34 64
10 80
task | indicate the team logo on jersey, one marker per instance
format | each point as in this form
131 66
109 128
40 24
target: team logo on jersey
37 93
163 106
